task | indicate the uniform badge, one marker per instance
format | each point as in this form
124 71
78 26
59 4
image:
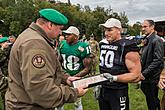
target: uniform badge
81 48
38 61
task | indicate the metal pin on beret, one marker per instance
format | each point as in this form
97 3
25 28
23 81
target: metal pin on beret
53 16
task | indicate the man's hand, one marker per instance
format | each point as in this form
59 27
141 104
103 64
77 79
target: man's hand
71 79
110 77
4 45
81 91
142 77
161 83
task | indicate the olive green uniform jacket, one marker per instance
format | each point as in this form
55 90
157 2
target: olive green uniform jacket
35 74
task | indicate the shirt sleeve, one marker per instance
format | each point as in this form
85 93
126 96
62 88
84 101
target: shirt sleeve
87 50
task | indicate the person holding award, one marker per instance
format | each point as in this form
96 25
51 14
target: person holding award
36 80
75 57
120 63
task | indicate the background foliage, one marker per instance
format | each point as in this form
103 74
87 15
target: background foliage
18 14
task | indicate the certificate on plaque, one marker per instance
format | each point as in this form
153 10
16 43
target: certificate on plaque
89 81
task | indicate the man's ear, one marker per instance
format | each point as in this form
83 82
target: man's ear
49 25
153 27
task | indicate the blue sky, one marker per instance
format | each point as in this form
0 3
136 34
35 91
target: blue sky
136 10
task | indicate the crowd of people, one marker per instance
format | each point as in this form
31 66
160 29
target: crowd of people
37 69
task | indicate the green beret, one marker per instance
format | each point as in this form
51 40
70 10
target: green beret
54 16
3 39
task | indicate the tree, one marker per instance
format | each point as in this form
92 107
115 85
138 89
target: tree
135 29
18 15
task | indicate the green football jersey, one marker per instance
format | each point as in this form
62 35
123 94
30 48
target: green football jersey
73 55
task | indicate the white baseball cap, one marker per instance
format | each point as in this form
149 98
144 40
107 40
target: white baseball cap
112 22
72 30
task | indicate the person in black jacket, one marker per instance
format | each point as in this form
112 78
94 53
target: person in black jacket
152 64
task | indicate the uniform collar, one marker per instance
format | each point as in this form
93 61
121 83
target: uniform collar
35 27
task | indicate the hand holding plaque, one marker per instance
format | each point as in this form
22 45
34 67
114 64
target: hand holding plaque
93 80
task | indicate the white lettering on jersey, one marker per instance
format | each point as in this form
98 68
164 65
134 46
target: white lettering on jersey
106 58
109 47
123 103
71 62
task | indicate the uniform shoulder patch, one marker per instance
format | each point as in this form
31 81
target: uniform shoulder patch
38 61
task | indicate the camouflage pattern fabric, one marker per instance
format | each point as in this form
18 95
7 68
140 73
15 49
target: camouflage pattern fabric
4 58
1 103
94 55
4 55
3 82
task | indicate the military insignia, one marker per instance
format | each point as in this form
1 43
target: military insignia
38 61
81 48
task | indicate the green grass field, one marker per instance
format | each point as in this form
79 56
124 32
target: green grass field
137 100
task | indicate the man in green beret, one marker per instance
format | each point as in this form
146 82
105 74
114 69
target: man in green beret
35 74
3 39
5 48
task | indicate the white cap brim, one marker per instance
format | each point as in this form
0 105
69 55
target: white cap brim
72 30
67 32
104 25
112 22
